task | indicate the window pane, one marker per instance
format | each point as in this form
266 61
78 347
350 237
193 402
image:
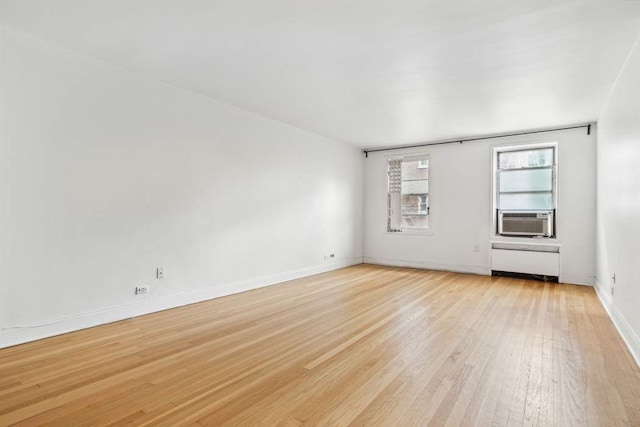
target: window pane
420 186
526 180
421 221
415 191
525 159
526 201
414 169
414 204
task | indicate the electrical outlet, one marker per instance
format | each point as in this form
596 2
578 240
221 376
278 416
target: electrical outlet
330 256
476 248
613 283
160 273
142 290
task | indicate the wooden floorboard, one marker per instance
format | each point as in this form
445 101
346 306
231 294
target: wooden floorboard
365 345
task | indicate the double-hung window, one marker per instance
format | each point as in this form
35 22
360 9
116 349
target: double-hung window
526 186
408 194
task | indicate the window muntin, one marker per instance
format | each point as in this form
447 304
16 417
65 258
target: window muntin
408 194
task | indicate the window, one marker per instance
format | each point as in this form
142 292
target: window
408 197
423 203
525 180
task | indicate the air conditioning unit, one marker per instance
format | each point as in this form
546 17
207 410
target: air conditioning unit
525 223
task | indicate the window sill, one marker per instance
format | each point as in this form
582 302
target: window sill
524 239
411 232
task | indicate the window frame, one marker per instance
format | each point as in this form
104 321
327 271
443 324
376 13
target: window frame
497 149
411 230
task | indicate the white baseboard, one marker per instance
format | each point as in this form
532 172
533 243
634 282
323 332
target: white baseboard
576 279
629 336
474 269
19 335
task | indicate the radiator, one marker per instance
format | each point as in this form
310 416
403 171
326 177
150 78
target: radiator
529 259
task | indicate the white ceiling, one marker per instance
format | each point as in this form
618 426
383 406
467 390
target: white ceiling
367 72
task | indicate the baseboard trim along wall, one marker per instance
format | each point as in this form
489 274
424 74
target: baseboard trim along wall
575 279
572 279
629 336
457 268
19 335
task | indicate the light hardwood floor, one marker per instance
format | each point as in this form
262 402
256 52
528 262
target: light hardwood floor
365 345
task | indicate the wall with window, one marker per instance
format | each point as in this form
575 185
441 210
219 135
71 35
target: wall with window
461 219
106 175
618 227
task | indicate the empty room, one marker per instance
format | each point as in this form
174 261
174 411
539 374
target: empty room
373 213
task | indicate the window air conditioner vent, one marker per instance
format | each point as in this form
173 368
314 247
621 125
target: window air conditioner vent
525 223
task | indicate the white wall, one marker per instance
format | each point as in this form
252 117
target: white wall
105 174
618 211
460 198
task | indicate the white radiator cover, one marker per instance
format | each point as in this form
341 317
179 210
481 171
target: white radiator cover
526 261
